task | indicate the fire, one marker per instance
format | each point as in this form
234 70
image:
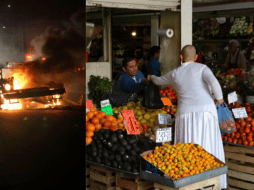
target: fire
12 104
20 81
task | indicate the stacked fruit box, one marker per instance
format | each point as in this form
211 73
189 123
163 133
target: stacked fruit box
240 161
87 176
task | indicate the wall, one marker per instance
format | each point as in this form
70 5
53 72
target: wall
96 69
170 47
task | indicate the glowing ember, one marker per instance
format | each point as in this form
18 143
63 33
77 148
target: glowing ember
13 104
20 81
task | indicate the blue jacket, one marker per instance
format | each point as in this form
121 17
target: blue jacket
154 67
129 84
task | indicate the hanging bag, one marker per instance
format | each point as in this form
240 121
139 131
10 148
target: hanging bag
226 120
152 99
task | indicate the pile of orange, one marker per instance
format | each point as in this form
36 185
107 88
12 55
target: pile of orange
96 120
182 160
169 92
142 128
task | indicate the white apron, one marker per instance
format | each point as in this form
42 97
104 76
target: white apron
201 128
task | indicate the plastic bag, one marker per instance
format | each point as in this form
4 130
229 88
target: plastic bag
226 120
152 99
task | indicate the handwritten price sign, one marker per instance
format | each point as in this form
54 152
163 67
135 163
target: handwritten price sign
164 119
107 109
232 97
130 121
163 135
239 112
105 103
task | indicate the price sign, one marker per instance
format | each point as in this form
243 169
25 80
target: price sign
105 103
239 112
166 101
232 97
130 122
89 104
163 135
164 119
107 109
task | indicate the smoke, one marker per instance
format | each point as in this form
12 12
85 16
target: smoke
9 45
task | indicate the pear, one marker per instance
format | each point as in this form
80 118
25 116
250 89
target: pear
139 113
115 111
129 104
119 116
143 121
147 116
140 118
125 107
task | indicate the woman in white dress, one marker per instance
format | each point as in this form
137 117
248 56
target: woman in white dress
196 117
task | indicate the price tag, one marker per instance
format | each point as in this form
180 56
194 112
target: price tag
163 135
232 97
105 103
164 119
130 122
239 112
166 101
89 104
107 109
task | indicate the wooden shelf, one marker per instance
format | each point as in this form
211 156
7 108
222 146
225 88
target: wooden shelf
219 41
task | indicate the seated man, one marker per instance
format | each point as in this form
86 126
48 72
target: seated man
128 84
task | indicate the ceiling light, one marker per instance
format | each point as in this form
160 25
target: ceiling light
134 33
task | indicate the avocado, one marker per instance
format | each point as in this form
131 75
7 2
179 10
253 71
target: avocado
95 133
127 138
94 149
133 137
125 158
121 166
115 164
109 145
99 154
94 153
127 166
132 141
133 152
119 131
123 142
128 147
99 145
107 163
89 158
141 151
105 142
111 157
132 159
134 145
105 153
137 150
150 141
120 148
102 131
122 152
100 137
98 160
118 158
92 144
95 138
120 136
114 147
134 170
106 135
114 138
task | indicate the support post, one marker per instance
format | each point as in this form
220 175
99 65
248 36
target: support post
154 28
186 22
105 34
110 43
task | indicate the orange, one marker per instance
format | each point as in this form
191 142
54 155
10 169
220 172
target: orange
145 126
107 123
103 113
97 126
87 118
89 133
121 125
90 127
88 140
99 115
95 120
90 114
102 120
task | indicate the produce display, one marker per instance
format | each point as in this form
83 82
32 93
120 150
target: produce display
181 160
240 27
169 92
244 133
170 109
117 149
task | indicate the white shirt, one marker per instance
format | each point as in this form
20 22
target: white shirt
191 82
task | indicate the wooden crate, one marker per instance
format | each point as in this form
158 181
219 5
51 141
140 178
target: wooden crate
131 182
208 184
87 176
102 178
240 161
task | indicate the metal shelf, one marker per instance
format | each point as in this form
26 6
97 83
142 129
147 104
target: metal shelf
220 41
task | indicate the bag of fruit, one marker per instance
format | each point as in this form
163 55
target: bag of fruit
226 120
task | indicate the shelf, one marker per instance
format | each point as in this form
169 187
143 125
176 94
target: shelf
219 41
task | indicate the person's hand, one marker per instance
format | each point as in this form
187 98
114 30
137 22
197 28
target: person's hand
219 101
149 77
145 81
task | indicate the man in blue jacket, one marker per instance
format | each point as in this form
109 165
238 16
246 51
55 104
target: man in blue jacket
153 65
128 84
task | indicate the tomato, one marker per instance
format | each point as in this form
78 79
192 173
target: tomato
252 122
248 125
166 91
243 136
233 135
237 135
248 109
164 94
247 130
238 126
167 109
252 128
228 134
225 138
168 94
251 143
248 119
245 143
240 141
235 141
242 129
251 133
249 138
230 140
243 123
161 91
238 120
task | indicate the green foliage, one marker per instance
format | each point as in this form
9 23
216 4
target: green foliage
97 87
